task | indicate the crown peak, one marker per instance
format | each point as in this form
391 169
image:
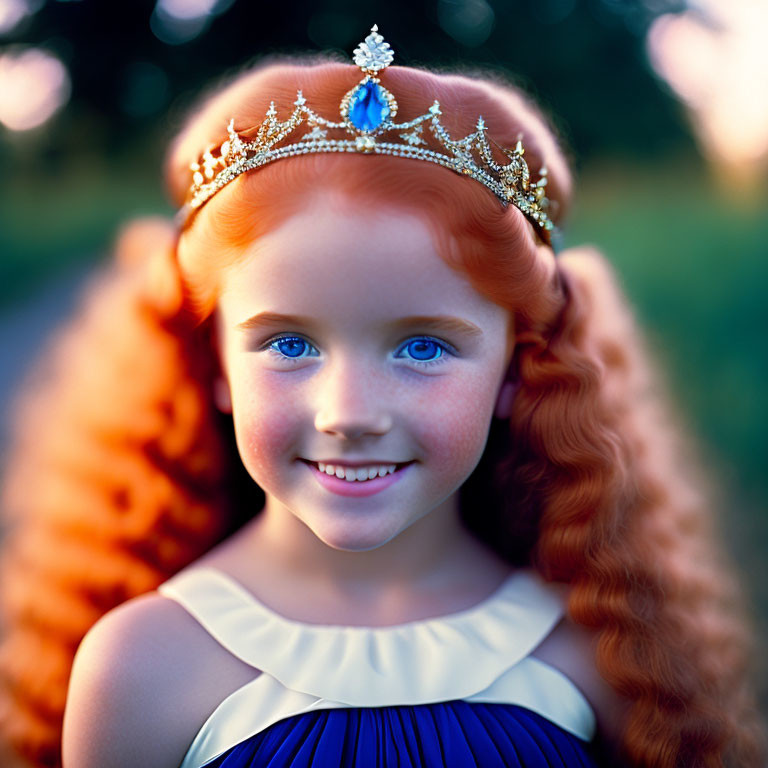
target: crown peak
374 53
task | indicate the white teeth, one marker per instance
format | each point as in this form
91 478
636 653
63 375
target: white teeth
357 474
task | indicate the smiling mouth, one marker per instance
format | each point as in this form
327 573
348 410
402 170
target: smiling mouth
357 474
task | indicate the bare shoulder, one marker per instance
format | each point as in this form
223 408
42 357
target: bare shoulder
123 680
570 648
138 692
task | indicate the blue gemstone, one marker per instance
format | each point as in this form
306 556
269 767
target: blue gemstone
368 109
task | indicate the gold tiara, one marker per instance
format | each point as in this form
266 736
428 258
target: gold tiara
367 112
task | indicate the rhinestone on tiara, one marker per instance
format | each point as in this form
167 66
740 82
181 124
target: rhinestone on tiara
367 112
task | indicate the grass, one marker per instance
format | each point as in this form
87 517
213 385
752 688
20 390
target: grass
693 262
51 222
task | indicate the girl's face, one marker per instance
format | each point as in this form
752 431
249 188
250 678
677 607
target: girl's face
345 339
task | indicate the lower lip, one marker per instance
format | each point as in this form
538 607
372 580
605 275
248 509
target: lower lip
356 488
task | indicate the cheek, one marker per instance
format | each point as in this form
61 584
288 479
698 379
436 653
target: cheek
265 426
454 423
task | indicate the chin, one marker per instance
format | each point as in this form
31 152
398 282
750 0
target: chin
353 541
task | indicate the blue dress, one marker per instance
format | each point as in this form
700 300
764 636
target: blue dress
458 690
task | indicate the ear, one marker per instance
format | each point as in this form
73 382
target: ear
222 398
507 391
506 397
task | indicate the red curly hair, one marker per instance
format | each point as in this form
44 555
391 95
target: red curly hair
123 472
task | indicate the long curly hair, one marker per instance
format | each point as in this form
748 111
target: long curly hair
123 472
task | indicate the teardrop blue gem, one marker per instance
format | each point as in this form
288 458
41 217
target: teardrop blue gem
368 109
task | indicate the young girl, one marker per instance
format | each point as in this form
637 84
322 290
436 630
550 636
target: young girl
347 467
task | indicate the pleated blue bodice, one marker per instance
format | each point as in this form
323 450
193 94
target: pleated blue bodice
459 690
451 733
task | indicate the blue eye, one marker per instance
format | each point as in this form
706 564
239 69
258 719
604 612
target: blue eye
425 351
289 347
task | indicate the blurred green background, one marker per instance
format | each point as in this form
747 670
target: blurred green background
659 104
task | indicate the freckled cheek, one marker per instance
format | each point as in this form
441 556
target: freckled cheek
267 429
453 425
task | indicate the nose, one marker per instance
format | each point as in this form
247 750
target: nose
351 402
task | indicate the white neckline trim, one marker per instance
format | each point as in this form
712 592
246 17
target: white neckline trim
233 585
417 662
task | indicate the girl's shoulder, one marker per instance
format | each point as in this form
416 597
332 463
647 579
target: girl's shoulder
570 648
138 690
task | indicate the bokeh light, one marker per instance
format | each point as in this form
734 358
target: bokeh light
180 21
715 58
36 85
12 12
469 22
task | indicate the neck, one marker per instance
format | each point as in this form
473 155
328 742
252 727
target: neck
431 551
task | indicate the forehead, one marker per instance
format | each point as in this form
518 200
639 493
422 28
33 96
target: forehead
346 262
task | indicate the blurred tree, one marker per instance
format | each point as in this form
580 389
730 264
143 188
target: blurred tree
585 56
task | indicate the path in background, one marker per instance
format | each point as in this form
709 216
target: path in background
24 329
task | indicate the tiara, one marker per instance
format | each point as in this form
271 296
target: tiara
367 112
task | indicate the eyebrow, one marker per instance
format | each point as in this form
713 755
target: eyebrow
444 323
